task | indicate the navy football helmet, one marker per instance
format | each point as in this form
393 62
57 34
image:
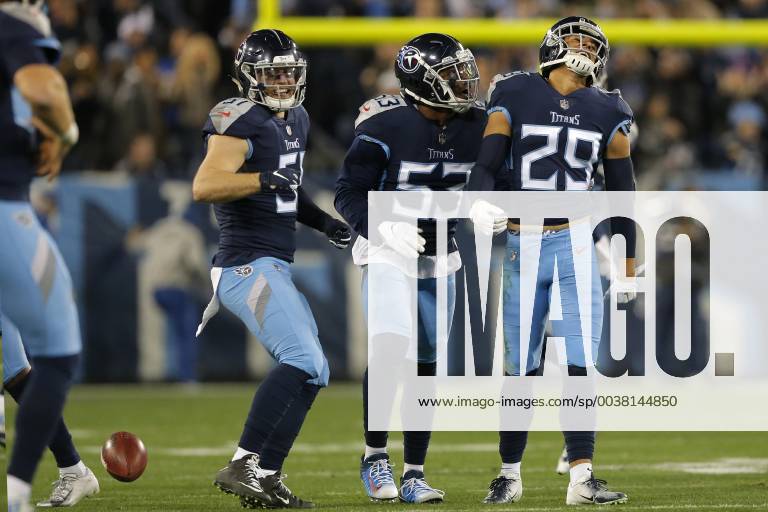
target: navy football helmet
270 70
586 56
436 70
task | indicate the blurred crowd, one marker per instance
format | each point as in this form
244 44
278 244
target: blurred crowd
143 75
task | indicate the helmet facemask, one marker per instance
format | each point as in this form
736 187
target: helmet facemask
278 85
588 58
454 82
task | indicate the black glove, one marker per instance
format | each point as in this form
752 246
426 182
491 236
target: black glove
338 233
281 179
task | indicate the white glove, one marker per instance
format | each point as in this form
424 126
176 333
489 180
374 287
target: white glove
403 237
487 217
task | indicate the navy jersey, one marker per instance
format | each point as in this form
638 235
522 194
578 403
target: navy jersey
557 141
21 44
262 224
415 154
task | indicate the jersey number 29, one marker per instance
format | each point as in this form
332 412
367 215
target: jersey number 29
552 133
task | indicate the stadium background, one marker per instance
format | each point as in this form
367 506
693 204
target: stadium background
143 75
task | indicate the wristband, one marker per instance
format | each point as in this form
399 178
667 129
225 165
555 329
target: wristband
72 135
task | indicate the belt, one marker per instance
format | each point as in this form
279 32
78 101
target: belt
536 229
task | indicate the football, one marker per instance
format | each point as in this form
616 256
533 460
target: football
124 456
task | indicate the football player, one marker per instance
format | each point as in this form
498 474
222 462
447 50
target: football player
425 138
76 481
555 127
37 128
252 173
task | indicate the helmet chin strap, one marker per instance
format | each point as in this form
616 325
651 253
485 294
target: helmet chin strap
579 64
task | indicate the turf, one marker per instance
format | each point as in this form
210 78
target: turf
191 432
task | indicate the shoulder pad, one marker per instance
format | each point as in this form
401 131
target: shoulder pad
226 112
378 105
501 77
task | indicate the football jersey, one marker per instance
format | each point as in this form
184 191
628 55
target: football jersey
262 224
421 154
557 141
21 43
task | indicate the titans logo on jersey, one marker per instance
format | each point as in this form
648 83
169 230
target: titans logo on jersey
420 154
264 223
557 141
22 42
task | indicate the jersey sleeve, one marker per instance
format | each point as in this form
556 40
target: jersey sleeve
378 118
361 172
235 117
17 52
623 118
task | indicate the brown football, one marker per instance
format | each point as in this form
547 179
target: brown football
124 456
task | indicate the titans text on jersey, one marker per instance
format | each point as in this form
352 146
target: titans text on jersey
557 141
397 148
264 223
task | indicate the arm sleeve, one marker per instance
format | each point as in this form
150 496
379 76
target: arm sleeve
362 170
619 176
493 152
308 213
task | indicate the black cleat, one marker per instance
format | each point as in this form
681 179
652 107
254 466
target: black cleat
280 495
244 478
505 489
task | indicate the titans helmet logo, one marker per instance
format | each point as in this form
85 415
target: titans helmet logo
408 59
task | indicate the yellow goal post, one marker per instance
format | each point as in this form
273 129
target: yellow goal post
356 31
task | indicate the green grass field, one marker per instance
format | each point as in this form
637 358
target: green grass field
190 433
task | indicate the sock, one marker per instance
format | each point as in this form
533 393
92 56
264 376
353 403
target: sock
61 444
240 453
415 445
18 490
270 403
412 467
376 439
580 445
78 469
581 472
39 412
510 468
281 441
512 445
370 450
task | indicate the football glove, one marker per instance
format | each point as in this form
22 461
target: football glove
338 233
403 237
280 179
488 218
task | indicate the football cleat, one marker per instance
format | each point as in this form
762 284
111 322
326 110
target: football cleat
376 475
593 492
563 466
505 489
281 495
415 489
70 489
245 479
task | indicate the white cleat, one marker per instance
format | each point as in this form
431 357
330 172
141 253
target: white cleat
70 489
562 463
593 492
